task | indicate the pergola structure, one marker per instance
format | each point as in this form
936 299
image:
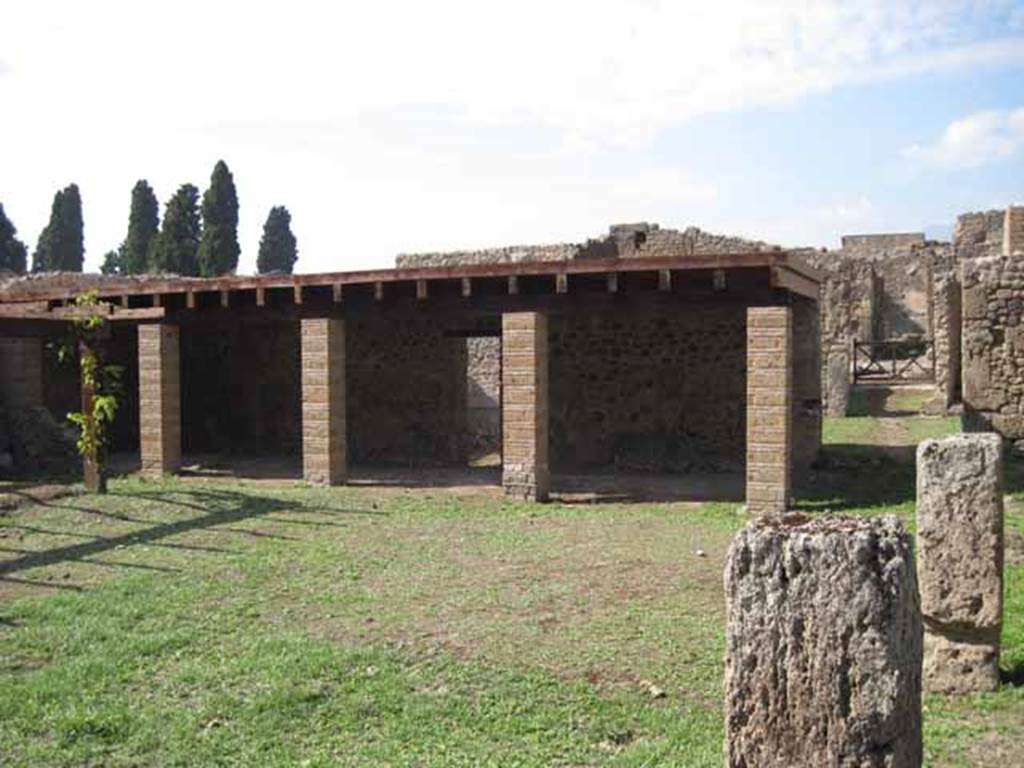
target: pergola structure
774 291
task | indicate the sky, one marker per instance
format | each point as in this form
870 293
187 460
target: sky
389 127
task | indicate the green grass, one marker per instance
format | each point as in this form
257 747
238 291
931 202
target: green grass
229 623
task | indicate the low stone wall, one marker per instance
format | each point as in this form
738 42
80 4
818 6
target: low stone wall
993 345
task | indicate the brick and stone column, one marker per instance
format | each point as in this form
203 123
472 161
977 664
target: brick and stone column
524 403
324 450
21 372
823 644
960 560
159 399
769 409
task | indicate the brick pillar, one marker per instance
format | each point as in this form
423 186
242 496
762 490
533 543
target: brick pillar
524 404
324 452
159 399
769 409
21 372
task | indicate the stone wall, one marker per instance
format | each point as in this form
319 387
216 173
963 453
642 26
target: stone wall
640 240
483 396
978 235
406 390
1013 231
993 345
807 382
649 390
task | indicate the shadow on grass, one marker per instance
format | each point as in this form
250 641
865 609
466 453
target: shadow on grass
218 508
850 476
1013 676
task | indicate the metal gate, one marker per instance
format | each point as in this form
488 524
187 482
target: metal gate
894 360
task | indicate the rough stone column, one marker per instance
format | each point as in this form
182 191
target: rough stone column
823 645
769 409
960 560
524 403
837 373
324 450
1013 230
21 372
159 399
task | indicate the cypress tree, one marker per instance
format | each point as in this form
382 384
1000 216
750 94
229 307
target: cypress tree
143 220
13 254
60 246
176 247
277 246
218 247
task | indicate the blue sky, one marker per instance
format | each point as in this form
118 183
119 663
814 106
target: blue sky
398 126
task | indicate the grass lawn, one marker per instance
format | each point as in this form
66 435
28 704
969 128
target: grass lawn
231 623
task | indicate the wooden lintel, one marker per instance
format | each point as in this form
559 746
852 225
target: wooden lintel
64 314
664 280
421 289
467 287
561 283
513 285
794 282
613 282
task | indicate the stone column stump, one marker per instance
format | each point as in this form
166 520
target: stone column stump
823 645
837 385
960 560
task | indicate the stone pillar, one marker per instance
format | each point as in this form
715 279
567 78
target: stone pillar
837 373
1013 230
769 409
159 399
806 378
324 450
823 644
960 560
524 403
21 372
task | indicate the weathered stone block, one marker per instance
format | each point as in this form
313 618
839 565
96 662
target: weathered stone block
823 645
837 395
960 560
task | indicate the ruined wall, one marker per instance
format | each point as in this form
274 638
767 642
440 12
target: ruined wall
978 235
640 240
649 390
993 345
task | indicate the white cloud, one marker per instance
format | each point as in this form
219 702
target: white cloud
389 125
973 141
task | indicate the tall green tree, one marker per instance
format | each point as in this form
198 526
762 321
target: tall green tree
175 249
218 247
277 246
112 263
13 254
143 220
61 243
